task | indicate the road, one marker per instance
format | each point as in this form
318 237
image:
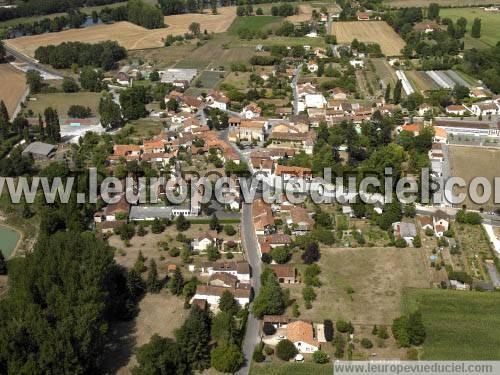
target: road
249 243
294 90
28 60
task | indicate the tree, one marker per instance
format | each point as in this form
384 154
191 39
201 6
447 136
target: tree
343 326
257 355
476 28
285 350
68 277
4 120
212 253
3 54
194 28
400 242
311 254
271 299
214 223
416 329
387 95
320 356
460 92
182 224
153 284
173 105
433 11
133 102
157 226
110 112
396 96
229 230
154 76
34 80
135 284
223 328
366 343
79 111
309 295
176 282
160 356
52 128
227 358
91 79
328 329
280 254
69 85
3 264
194 338
213 6
228 303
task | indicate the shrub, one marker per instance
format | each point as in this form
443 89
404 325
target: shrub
328 329
320 356
382 333
266 258
268 329
400 242
229 230
268 350
257 353
174 252
366 343
343 326
285 350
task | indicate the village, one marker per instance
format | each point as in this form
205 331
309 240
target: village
279 91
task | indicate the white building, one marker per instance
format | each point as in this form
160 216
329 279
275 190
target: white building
315 101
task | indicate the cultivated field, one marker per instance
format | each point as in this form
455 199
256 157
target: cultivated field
459 325
490 22
62 101
421 80
470 162
384 71
283 368
209 79
255 23
127 34
425 3
12 87
369 32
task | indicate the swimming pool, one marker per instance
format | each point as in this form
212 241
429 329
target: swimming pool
8 240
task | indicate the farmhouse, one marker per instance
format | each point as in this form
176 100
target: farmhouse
118 210
287 172
285 273
217 100
300 221
251 111
213 293
239 269
39 150
204 241
485 108
312 66
263 219
455 109
406 231
426 26
298 141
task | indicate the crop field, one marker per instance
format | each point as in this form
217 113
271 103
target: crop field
305 14
425 3
284 368
421 80
127 34
471 162
384 71
209 79
62 101
13 86
369 32
254 23
163 57
490 22
459 325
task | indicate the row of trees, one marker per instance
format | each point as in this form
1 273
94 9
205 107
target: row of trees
103 55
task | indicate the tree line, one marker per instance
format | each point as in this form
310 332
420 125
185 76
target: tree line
102 55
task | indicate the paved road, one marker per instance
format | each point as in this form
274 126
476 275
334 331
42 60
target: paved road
28 60
249 243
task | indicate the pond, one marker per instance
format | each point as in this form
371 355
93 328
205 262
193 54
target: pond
8 240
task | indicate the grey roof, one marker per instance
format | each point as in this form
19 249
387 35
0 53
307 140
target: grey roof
39 148
150 212
407 229
171 75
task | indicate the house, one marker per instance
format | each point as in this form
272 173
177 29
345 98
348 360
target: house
190 103
315 101
252 130
262 216
299 141
304 89
426 222
284 112
312 66
204 241
423 109
271 241
213 293
123 79
251 111
154 146
301 334
485 108
39 150
300 221
406 231
287 172
127 152
117 211
364 16
477 93
277 321
357 63
285 273
217 100
455 109
426 27
338 93
441 223
223 279
239 269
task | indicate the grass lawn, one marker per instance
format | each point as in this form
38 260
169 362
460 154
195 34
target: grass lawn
163 57
490 23
459 325
254 23
146 128
285 368
62 101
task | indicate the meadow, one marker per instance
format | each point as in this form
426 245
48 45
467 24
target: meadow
254 23
443 3
459 325
284 368
490 22
62 101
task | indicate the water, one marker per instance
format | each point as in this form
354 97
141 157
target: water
8 240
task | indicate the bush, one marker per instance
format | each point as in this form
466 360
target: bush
229 230
268 350
174 252
400 242
320 357
328 329
366 343
285 350
343 326
268 329
229 255
382 333
257 353
266 258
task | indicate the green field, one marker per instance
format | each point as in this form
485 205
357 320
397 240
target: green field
254 23
209 79
284 368
490 24
459 325
62 101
